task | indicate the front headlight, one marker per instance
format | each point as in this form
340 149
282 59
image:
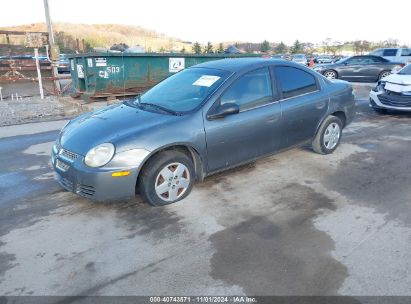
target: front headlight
380 86
100 155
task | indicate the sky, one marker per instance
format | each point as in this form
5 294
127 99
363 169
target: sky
225 20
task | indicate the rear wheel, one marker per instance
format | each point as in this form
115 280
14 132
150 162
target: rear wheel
330 74
167 178
328 136
384 74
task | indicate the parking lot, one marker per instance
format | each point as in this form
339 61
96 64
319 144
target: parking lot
297 223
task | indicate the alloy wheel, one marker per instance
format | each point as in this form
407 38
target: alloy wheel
330 74
385 74
172 182
332 136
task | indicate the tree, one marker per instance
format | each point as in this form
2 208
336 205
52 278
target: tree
162 50
220 49
297 47
265 46
197 48
391 42
327 45
183 50
119 47
309 48
248 48
208 48
361 46
281 48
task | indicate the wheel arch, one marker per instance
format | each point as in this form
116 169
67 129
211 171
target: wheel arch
339 113
187 149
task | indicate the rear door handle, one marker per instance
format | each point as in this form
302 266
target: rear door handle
321 105
273 119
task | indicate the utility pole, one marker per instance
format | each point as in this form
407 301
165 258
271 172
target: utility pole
52 47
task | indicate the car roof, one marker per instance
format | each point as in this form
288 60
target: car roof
240 64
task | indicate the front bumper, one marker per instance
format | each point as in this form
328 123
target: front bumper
382 100
93 183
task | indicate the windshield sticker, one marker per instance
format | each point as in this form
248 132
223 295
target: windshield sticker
206 81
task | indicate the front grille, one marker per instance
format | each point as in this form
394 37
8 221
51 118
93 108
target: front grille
395 99
62 165
68 154
80 189
85 190
68 185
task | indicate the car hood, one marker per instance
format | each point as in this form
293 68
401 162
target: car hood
111 124
398 79
398 83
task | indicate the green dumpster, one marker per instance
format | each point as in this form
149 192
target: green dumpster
96 75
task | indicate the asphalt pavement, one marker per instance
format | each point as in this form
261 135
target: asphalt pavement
296 223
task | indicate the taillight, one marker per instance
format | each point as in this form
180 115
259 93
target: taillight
402 65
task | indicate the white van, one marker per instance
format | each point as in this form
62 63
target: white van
394 54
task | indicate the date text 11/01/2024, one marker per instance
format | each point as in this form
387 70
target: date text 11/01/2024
203 299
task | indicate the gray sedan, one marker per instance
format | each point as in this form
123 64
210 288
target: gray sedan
359 68
203 120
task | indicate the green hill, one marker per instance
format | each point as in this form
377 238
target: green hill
105 35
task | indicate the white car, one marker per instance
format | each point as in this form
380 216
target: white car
394 54
393 92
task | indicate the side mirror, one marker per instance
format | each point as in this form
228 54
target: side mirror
224 110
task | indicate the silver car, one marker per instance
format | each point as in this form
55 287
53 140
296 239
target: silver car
202 120
300 58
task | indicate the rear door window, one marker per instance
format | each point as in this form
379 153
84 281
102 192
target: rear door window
390 52
356 60
294 82
374 59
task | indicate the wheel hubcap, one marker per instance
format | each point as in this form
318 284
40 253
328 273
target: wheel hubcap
172 182
329 75
332 136
385 74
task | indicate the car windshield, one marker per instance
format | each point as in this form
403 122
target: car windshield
184 91
406 70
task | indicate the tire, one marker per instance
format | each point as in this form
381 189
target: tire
384 74
329 125
330 74
159 184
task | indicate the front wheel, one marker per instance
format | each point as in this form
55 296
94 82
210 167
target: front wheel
328 136
167 178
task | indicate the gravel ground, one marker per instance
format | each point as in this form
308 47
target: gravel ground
34 109
30 109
